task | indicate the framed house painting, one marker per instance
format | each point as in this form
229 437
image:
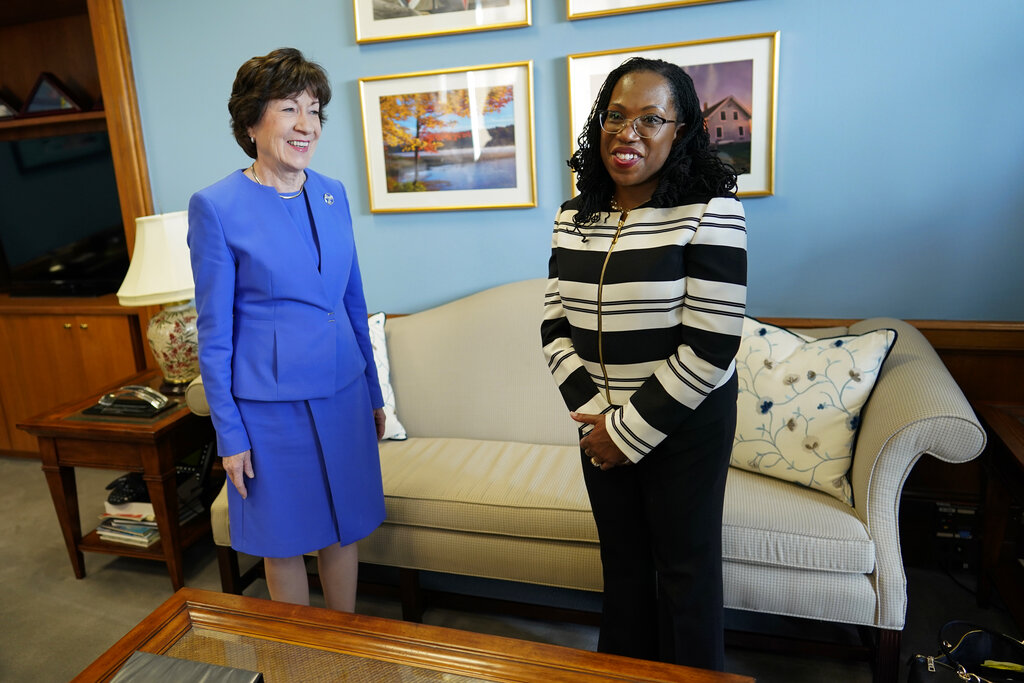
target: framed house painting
736 80
450 139
377 20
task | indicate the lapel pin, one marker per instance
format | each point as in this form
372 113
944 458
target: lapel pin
328 198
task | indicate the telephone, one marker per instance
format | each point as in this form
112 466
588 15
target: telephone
132 400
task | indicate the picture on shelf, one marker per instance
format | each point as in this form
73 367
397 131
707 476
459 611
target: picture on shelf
7 109
49 96
37 152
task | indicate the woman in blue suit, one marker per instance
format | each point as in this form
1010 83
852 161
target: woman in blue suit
284 348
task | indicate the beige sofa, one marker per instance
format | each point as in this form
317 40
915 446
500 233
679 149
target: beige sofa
488 483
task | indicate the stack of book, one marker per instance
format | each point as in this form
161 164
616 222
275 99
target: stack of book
135 523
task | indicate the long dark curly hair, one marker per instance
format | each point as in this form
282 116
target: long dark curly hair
691 169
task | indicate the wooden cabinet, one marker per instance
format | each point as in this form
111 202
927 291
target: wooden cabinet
84 43
56 350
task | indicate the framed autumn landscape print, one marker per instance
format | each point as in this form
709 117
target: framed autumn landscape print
450 139
378 20
736 80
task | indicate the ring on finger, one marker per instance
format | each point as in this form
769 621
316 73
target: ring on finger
594 462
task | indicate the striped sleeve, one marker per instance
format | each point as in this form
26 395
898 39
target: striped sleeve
711 322
574 381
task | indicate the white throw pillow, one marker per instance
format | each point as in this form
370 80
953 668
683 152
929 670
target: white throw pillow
800 401
393 429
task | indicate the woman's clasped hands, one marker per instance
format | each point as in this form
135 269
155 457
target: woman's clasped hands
598 445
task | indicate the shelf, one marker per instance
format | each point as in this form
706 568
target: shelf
49 126
105 304
191 532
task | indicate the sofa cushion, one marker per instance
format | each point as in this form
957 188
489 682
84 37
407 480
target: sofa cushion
800 402
772 522
490 487
393 429
531 491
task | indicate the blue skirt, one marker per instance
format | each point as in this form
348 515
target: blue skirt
317 473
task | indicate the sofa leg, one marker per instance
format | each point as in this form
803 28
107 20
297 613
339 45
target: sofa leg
887 656
411 594
227 562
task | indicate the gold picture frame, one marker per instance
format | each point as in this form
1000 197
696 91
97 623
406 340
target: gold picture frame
737 81
379 20
450 139
587 9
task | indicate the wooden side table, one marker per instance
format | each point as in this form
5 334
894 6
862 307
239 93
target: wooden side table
1004 469
70 439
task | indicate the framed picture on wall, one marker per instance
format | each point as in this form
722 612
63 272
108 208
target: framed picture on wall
585 9
736 80
378 20
450 139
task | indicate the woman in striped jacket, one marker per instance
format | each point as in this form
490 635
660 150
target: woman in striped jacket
643 313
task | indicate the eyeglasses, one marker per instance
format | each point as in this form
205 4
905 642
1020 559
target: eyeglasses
646 125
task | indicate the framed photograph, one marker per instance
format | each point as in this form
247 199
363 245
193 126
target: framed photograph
736 80
450 139
585 9
8 110
49 96
378 20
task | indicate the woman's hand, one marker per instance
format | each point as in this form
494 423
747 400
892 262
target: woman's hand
378 420
236 466
597 445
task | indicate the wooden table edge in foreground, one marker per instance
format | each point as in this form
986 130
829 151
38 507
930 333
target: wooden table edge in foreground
436 648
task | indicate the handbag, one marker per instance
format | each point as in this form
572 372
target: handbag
968 652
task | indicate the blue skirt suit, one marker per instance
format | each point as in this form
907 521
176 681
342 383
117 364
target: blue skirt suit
287 364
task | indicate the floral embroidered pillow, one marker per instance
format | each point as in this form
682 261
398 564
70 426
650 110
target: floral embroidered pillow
393 429
800 401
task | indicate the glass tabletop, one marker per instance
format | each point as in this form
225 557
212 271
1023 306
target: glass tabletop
281 662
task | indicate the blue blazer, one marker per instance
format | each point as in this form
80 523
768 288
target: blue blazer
272 327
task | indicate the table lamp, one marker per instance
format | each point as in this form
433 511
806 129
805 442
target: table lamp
161 273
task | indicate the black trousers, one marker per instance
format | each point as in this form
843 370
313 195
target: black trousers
660 527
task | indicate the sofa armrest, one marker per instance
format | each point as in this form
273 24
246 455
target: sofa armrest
916 408
195 397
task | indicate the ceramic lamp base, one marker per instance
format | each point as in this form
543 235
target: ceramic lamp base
174 341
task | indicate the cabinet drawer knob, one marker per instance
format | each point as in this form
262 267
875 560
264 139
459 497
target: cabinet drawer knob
67 326
84 326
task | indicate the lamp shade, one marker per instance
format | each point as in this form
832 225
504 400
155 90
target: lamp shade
160 270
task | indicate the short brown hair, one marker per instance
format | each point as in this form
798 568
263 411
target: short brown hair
278 75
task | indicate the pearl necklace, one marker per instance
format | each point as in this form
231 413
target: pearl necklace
282 196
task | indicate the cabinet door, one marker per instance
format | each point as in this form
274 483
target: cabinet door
103 351
53 359
32 375
5 431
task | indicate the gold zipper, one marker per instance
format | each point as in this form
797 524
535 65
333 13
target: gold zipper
600 288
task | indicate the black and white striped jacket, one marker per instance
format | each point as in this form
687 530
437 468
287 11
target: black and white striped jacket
642 320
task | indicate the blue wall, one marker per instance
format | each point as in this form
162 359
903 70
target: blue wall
900 150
